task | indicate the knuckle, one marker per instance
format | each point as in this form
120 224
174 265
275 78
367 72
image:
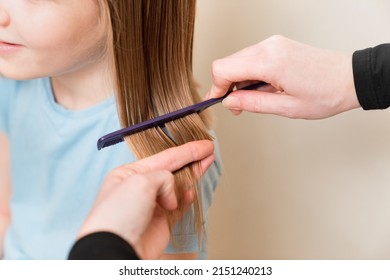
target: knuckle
124 171
115 173
257 104
277 38
217 67
276 43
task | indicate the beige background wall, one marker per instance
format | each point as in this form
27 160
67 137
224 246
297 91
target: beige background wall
295 189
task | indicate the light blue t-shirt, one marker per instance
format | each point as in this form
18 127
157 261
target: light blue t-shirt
57 170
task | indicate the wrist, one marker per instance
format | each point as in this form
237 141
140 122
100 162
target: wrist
351 100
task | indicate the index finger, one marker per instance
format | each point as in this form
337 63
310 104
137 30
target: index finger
236 69
176 158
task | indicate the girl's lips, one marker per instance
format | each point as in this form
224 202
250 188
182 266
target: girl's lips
8 47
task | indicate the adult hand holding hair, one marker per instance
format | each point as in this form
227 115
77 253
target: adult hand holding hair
131 202
305 82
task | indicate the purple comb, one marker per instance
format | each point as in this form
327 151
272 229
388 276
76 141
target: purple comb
118 136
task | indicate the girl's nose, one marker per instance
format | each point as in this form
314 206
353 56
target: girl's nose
4 17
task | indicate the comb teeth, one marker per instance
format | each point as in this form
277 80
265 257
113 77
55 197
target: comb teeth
107 143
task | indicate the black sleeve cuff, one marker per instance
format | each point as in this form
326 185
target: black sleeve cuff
371 71
102 246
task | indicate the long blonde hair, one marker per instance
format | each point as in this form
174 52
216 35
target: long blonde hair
152 43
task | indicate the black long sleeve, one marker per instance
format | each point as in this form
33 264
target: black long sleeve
371 70
102 246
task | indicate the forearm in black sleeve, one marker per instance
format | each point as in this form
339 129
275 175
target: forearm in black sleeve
371 70
102 246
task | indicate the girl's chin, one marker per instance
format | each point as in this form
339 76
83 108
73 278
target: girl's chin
15 75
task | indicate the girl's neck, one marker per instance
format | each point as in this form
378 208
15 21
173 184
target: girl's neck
84 87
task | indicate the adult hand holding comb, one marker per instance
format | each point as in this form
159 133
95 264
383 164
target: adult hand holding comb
305 82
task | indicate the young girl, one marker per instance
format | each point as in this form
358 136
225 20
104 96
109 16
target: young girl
57 99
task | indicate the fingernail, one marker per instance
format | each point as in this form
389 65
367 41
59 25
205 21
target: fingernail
232 102
236 112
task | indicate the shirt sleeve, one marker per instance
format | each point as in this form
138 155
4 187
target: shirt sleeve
102 246
371 71
6 90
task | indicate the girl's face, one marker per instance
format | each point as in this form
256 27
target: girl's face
40 38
